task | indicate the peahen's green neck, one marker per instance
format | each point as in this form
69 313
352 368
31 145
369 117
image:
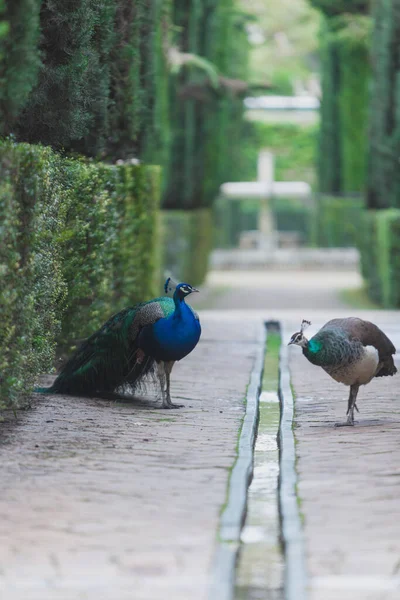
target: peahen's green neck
314 351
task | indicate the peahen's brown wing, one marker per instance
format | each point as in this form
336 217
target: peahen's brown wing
369 334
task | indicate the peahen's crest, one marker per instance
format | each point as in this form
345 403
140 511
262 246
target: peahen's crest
304 325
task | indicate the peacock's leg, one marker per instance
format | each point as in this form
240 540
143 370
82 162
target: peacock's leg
161 379
350 407
168 404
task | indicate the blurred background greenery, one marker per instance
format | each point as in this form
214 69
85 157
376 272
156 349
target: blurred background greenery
120 119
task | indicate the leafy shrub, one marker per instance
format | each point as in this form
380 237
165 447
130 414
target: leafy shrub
78 242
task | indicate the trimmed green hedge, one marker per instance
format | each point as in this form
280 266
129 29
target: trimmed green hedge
78 242
337 221
380 256
108 59
383 181
186 243
336 7
346 75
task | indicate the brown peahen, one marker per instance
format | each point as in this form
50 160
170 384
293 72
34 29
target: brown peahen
351 351
132 344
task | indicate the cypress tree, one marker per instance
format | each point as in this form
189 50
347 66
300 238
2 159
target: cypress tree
60 108
333 8
345 95
133 88
19 57
206 110
384 145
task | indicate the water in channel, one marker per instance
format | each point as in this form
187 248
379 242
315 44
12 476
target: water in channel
260 568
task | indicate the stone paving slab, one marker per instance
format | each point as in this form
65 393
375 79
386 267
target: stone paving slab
349 478
121 500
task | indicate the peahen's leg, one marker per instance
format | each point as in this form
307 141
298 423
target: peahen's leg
168 404
350 406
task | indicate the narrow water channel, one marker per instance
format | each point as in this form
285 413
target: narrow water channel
260 569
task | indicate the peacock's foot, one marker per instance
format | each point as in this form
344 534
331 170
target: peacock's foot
171 405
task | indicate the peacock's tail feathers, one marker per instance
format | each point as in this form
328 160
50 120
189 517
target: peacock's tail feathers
109 358
44 390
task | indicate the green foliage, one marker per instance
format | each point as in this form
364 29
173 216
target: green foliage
136 264
102 88
344 106
206 100
383 189
231 218
337 222
33 291
284 44
139 86
330 148
19 57
337 7
293 147
59 109
380 256
293 215
78 242
186 244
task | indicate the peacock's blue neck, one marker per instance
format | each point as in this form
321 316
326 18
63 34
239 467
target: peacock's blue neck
180 306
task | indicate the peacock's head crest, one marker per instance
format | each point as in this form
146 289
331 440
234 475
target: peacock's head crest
182 289
299 339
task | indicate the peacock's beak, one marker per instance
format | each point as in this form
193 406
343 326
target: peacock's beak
195 290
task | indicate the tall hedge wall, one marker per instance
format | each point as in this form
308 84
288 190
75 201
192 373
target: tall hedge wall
206 100
380 256
337 221
159 80
384 143
19 57
346 72
78 242
186 244
87 76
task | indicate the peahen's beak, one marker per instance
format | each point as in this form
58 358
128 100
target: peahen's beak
291 342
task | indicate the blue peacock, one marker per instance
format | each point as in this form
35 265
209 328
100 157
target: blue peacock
139 340
352 351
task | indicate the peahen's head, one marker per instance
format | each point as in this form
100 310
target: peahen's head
180 289
299 339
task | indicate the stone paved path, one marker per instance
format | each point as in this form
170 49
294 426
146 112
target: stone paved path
121 500
270 291
104 500
349 479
